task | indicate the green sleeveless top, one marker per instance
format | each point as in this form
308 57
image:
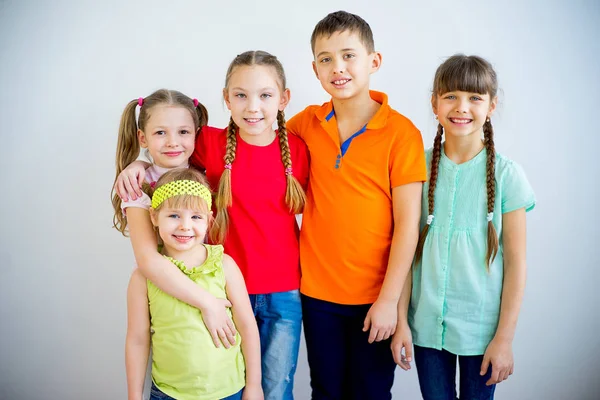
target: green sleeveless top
185 362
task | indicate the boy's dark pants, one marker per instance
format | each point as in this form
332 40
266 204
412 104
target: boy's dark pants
343 365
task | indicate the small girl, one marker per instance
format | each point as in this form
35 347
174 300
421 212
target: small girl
185 363
469 272
168 124
260 174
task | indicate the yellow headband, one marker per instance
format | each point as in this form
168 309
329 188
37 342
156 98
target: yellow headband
177 188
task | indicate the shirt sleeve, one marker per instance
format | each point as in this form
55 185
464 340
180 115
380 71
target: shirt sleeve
301 162
140 202
198 158
407 159
516 190
294 125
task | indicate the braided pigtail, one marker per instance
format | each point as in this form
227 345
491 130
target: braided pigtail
294 194
433 174
224 197
492 235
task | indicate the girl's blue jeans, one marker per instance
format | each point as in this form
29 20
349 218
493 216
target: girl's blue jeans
437 375
156 394
279 320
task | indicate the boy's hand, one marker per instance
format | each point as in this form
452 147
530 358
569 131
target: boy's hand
218 323
499 354
402 339
253 392
381 319
129 182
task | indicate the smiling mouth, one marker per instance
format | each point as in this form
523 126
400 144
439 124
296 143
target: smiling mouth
253 120
341 82
462 121
172 153
183 238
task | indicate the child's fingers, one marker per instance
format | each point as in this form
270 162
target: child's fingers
367 323
494 377
129 189
223 337
484 365
231 326
409 351
215 338
373 334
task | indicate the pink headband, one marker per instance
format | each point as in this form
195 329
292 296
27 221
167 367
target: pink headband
141 101
196 102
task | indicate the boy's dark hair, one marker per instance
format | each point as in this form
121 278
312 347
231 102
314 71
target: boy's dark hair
341 21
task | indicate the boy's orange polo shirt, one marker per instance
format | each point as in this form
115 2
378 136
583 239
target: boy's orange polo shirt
348 223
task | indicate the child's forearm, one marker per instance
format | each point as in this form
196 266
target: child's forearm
404 243
251 350
407 212
168 278
515 275
136 360
515 272
405 300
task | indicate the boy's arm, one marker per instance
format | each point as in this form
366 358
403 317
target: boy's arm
499 351
171 281
382 316
137 342
246 324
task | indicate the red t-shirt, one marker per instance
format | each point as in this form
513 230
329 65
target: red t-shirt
263 234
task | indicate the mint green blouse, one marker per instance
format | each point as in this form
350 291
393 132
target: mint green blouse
455 302
186 365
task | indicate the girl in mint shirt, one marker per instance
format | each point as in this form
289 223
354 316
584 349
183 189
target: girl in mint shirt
469 272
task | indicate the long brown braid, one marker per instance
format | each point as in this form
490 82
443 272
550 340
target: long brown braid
492 235
475 75
224 197
433 174
128 146
294 197
294 194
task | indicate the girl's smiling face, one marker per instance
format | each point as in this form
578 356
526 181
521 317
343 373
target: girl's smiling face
169 136
463 114
254 96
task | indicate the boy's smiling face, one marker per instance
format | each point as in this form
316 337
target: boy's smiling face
343 64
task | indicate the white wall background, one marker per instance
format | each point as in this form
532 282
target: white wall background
67 69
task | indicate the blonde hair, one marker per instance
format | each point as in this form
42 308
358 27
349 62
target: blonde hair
128 147
476 75
295 196
187 201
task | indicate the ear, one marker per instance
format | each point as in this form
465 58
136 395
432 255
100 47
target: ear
142 139
314 65
376 61
285 99
226 97
153 217
493 104
434 104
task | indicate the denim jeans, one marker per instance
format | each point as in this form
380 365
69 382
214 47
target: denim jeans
437 375
156 394
279 320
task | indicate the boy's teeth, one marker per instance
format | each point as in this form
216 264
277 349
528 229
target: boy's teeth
340 82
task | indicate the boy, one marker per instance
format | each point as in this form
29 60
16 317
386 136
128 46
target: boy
361 220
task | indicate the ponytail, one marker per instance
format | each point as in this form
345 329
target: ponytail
128 150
